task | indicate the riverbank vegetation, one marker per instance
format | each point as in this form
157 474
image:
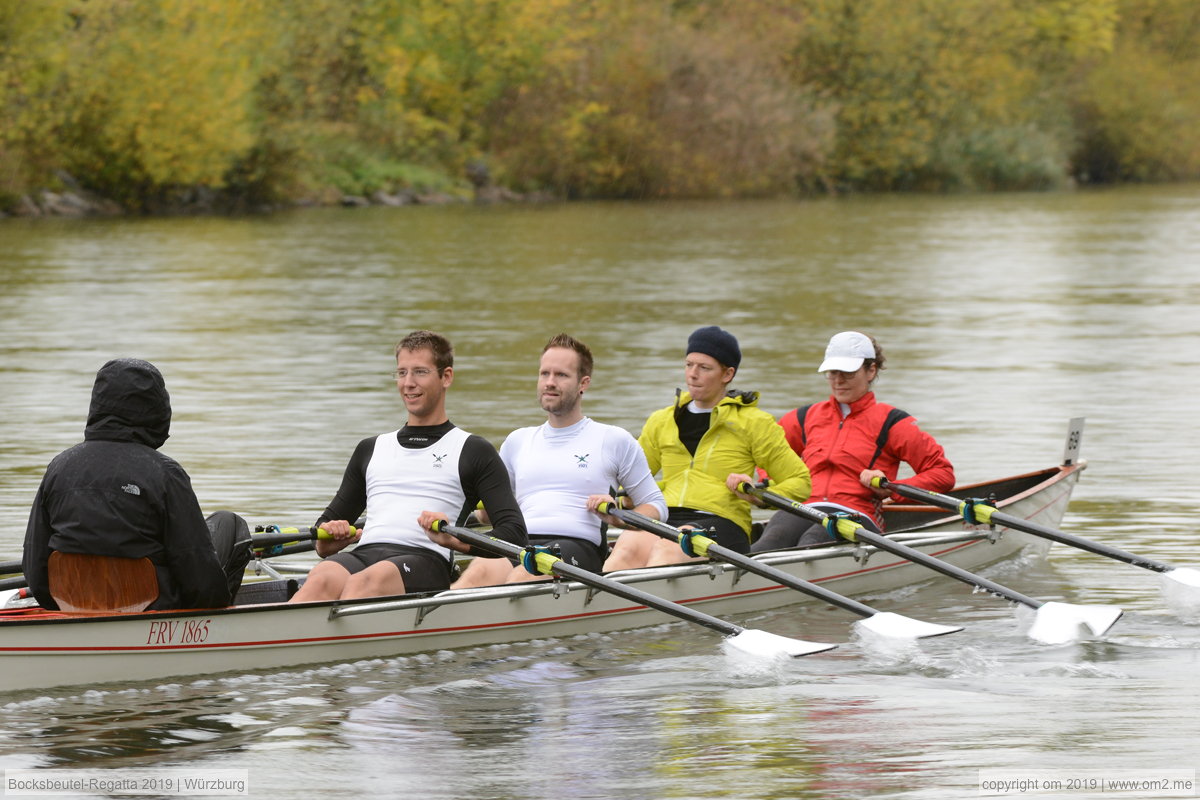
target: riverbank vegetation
165 104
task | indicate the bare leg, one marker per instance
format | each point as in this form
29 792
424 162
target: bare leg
632 550
324 582
378 580
519 574
668 552
483 572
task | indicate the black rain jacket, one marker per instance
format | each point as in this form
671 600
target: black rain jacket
114 494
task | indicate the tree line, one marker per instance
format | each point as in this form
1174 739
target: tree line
261 102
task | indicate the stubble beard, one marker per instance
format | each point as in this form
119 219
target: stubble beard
559 406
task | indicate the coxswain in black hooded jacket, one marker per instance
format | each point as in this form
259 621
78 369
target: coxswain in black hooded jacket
114 494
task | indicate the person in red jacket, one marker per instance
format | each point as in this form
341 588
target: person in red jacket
849 439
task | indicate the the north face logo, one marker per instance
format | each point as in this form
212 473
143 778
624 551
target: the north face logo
131 488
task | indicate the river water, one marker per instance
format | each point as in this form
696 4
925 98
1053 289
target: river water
1002 316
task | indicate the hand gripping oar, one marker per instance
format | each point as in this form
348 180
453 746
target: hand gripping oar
976 512
273 540
883 623
755 642
1054 622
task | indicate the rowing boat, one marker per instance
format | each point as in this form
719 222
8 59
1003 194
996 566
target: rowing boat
41 649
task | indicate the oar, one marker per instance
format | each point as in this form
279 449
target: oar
273 540
1054 622
268 542
977 512
883 623
16 569
755 642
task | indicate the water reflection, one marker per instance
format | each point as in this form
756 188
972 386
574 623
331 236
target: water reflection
1002 316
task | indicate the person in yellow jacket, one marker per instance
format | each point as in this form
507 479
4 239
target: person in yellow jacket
705 444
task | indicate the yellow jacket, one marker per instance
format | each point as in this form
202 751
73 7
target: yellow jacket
740 437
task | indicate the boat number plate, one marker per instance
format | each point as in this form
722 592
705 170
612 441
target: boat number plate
180 631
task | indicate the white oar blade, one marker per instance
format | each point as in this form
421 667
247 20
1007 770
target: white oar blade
898 626
1185 576
770 645
1181 590
1059 623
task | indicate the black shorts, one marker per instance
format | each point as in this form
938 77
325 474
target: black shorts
423 570
577 552
724 532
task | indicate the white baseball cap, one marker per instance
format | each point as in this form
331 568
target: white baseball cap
846 352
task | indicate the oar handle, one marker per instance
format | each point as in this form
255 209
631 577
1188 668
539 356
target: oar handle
694 543
979 513
557 566
704 546
275 538
856 532
973 511
846 528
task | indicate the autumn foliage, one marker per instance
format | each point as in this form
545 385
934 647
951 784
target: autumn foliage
263 101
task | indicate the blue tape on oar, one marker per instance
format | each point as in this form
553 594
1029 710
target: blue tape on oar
685 542
831 524
967 508
529 558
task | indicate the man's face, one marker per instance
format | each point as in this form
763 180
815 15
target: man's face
421 388
559 385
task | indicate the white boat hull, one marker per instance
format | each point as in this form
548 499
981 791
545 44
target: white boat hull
40 649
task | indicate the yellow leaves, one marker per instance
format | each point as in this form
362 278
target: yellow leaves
1073 28
31 59
163 85
620 97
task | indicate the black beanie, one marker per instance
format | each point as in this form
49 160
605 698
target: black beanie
720 344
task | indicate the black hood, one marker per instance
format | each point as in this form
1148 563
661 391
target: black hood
129 404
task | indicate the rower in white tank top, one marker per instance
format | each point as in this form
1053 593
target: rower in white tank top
402 482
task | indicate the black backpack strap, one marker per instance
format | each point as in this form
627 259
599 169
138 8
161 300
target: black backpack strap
894 416
801 413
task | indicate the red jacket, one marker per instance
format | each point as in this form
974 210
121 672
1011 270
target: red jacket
837 450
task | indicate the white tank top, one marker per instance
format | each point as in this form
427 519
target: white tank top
402 482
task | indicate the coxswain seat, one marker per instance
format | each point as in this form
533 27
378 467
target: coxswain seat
86 583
